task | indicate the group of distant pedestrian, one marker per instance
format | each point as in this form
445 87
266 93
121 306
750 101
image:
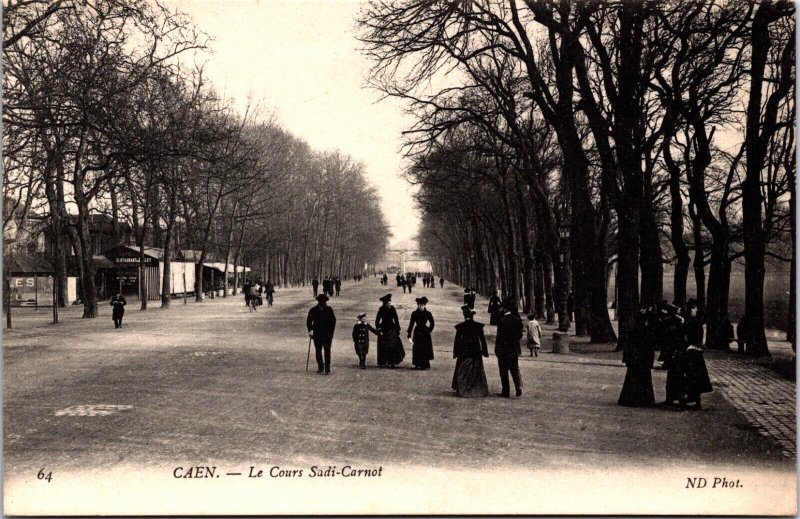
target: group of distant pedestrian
678 333
254 293
331 285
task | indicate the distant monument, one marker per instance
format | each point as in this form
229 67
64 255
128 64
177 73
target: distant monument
403 256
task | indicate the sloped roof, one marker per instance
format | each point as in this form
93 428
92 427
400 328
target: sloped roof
24 262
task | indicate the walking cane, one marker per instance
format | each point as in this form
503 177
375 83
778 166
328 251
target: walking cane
308 357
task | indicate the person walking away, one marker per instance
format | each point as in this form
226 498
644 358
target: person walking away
421 325
315 286
469 297
507 347
534 332
637 390
441 282
118 309
246 292
469 348
255 296
403 284
494 308
409 282
321 325
361 331
269 288
741 335
388 325
692 365
338 284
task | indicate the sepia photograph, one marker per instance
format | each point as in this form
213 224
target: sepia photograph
399 257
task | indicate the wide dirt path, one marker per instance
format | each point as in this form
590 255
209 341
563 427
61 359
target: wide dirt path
213 384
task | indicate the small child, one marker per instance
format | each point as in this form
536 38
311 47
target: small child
534 335
361 332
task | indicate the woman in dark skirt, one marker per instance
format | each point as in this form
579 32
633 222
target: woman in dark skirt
421 326
390 347
637 390
469 346
691 366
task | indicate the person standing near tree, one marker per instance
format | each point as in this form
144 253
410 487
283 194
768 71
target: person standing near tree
118 309
637 390
507 347
321 325
494 308
421 324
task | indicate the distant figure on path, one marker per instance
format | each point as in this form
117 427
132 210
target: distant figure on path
118 309
507 348
469 297
421 325
315 286
494 308
441 282
469 346
361 332
269 289
321 324
637 390
534 332
337 282
390 347
403 284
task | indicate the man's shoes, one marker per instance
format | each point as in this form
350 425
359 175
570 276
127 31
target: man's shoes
327 372
519 392
363 366
503 395
320 371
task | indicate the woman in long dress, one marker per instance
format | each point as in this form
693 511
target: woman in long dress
469 346
390 347
421 325
693 378
637 390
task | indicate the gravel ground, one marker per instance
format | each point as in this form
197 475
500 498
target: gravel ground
212 383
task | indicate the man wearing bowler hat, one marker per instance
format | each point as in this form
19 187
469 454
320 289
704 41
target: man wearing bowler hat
507 348
321 323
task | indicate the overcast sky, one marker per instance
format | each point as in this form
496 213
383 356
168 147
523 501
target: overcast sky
299 59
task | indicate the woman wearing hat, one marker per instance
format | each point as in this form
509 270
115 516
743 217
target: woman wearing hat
469 346
422 325
390 348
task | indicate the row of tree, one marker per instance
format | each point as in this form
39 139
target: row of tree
103 114
554 138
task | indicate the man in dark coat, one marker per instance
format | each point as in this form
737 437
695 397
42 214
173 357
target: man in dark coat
390 347
422 325
321 324
361 332
246 291
118 309
494 308
441 282
469 346
315 286
337 282
469 297
507 348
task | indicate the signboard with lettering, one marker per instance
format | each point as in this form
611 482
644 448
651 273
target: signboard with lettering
32 291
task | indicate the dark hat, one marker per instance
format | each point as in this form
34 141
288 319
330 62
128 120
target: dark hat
509 303
361 316
322 297
387 297
422 300
467 311
466 291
